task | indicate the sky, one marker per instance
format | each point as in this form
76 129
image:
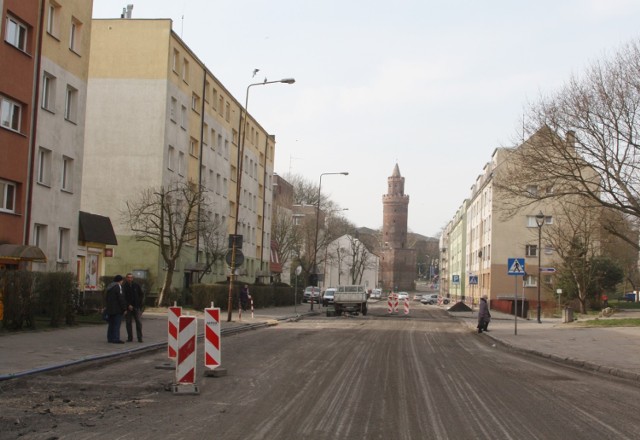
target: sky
434 86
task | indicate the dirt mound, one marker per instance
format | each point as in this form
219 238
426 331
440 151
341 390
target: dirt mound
459 307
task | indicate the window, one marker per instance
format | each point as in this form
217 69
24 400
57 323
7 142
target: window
74 35
48 91
211 180
16 33
206 91
531 250
195 103
193 148
185 71
175 61
71 104
171 160
219 144
221 104
40 235
530 281
213 139
227 111
10 114
532 223
63 245
67 174
7 196
183 117
214 100
205 134
52 19
173 110
532 190
218 177
44 166
181 163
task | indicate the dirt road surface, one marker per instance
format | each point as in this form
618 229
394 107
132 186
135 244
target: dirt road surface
422 376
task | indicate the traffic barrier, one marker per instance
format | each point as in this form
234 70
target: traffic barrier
251 308
390 300
440 300
396 302
172 344
212 338
406 306
186 356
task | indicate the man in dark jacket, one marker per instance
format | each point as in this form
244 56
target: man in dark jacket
133 296
115 307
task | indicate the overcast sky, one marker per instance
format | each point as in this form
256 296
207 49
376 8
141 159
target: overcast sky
435 86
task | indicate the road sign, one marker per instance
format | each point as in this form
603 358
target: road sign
548 269
515 266
239 257
455 279
473 279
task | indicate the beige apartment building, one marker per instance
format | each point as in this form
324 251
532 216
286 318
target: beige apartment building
478 242
157 115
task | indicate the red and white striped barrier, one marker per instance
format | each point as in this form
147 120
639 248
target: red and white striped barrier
251 299
186 359
396 302
212 338
440 300
406 306
172 343
390 300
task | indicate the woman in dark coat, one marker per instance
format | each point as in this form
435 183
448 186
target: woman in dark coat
116 306
483 315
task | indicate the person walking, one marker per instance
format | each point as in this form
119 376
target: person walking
244 297
483 315
134 297
116 305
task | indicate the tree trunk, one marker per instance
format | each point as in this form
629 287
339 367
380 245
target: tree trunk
166 285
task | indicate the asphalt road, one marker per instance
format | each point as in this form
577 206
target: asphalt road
426 376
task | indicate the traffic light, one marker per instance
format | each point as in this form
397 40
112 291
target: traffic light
313 279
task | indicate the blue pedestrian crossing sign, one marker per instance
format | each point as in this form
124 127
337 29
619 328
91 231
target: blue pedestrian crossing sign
473 279
515 266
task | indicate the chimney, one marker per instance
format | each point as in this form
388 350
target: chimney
126 12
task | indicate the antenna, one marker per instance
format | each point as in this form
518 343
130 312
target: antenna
181 25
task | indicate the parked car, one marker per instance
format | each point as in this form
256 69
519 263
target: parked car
430 298
376 294
402 296
327 297
311 292
629 297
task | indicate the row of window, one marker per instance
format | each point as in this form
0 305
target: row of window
40 240
44 171
48 101
17 32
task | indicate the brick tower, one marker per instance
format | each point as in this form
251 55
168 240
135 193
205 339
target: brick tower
398 265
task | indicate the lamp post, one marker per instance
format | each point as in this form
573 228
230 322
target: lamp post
241 135
326 251
314 268
539 222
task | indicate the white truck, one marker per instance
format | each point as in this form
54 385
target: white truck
351 299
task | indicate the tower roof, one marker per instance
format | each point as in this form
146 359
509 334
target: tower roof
396 171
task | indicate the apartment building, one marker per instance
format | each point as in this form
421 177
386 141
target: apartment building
59 138
157 115
43 83
478 242
19 51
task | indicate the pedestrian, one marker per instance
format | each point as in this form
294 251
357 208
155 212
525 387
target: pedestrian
605 300
134 297
244 297
116 306
483 315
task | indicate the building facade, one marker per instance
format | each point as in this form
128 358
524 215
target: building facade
348 261
156 115
398 265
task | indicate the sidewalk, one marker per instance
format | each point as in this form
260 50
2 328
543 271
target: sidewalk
30 352
610 350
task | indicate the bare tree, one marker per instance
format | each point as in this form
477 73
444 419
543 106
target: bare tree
213 242
168 218
575 237
588 145
286 234
360 259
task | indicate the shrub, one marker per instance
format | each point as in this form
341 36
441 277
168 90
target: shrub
56 291
17 287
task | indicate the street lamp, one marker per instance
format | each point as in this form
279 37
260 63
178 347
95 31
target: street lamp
539 222
326 250
241 136
314 277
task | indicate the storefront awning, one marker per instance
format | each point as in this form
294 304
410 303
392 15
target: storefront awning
18 252
95 228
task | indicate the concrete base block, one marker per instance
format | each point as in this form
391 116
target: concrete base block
185 389
218 372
